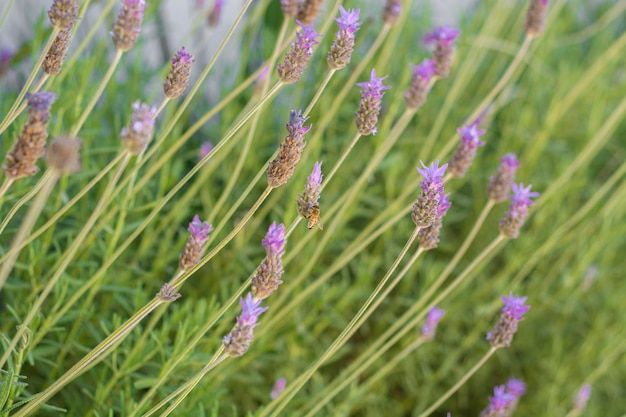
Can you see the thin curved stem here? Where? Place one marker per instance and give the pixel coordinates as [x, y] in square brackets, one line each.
[459, 383]
[6, 122]
[103, 83]
[27, 224]
[20, 203]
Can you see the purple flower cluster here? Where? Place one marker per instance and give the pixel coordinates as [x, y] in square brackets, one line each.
[443, 38]
[237, 342]
[432, 320]
[340, 52]
[308, 202]
[426, 209]
[505, 399]
[512, 312]
[267, 277]
[500, 184]
[194, 247]
[278, 388]
[21, 161]
[518, 210]
[366, 116]
[215, 13]
[415, 96]
[582, 398]
[465, 153]
[296, 60]
[128, 24]
[392, 11]
[178, 79]
[282, 167]
[138, 134]
[63, 14]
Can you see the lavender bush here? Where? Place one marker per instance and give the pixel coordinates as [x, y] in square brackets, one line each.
[159, 245]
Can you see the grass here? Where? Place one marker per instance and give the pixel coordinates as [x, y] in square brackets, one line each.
[561, 112]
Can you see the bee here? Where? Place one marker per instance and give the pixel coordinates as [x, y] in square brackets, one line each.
[314, 217]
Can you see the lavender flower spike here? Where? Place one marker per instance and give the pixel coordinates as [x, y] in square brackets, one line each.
[341, 50]
[465, 153]
[415, 97]
[63, 14]
[128, 24]
[426, 208]
[21, 161]
[443, 37]
[497, 403]
[512, 312]
[500, 184]
[296, 60]
[366, 116]
[432, 320]
[282, 167]
[582, 398]
[393, 8]
[516, 388]
[308, 10]
[215, 13]
[138, 134]
[535, 17]
[278, 388]
[237, 342]
[518, 210]
[308, 202]
[194, 247]
[178, 79]
[289, 7]
[55, 56]
[267, 277]
[429, 236]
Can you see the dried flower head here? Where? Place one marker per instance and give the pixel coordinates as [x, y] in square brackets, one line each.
[289, 7]
[30, 145]
[62, 155]
[536, 17]
[282, 167]
[415, 96]
[178, 79]
[63, 14]
[341, 50]
[443, 38]
[278, 388]
[366, 116]
[465, 153]
[426, 208]
[518, 210]
[308, 10]
[168, 293]
[497, 403]
[512, 312]
[582, 398]
[138, 134]
[393, 8]
[215, 13]
[128, 24]
[308, 201]
[194, 248]
[500, 184]
[429, 236]
[296, 60]
[237, 342]
[267, 277]
[55, 56]
[432, 320]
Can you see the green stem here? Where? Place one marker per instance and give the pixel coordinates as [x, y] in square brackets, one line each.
[29, 220]
[319, 91]
[350, 329]
[66, 260]
[459, 383]
[5, 123]
[103, 83]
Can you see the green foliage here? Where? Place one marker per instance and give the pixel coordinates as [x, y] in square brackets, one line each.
[562, 113]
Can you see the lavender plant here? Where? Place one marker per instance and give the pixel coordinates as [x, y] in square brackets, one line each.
[112, 303]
